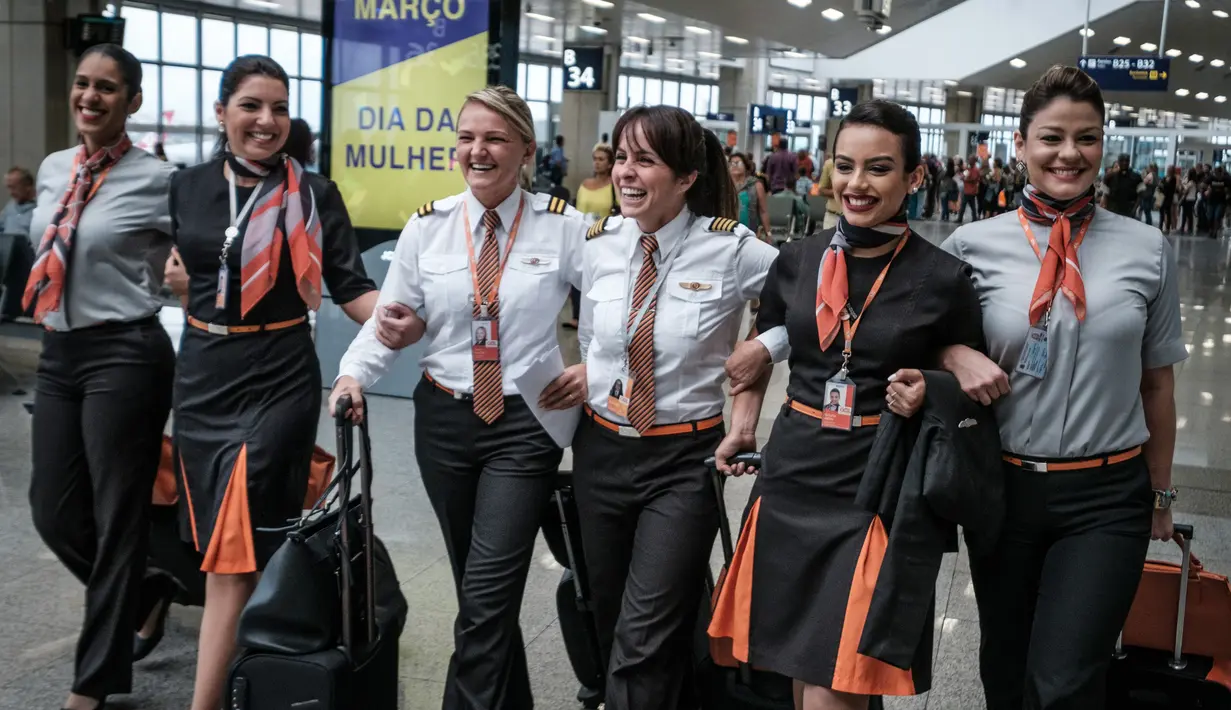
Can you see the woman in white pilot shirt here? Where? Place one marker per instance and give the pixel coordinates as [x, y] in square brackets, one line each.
[666, 286]
[486, 462]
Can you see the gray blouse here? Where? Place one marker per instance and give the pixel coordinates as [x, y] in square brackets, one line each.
[1089, 402]
[115, 270]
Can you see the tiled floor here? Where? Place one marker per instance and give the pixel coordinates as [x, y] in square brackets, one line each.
[41, 603]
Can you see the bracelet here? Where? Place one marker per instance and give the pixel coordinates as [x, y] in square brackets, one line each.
[1164, 498]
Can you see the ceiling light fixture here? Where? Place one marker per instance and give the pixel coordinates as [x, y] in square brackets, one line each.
[267, 4]
[545, 38]
[709, 55]
[831, 14]
[1122, 41]
[810, 80]
[778, 77]
[601, 4]
[792, 54]
[884, 30]
[736, 40]
[711, 75]
[1217, 62]
[1017, 62]
[1084, 32]
[1220, 14]
[800, 3]
[593, 30]
[1149, 46]
[1193, 4]
[553, 52]
[540, 16]
[696, 30]
[1173, 53]
[950, 82]
[1201, 96]
[1196, 58]
[1220, 99]
[1181, 92]
[648, 17]
[638, 40]
[964, 93]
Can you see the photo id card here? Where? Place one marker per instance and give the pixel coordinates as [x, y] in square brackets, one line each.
[485, 339]
[224, 280]
[837, 413]
[620, 393]
[1033, 360]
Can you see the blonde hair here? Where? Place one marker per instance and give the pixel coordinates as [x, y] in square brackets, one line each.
[514, 110]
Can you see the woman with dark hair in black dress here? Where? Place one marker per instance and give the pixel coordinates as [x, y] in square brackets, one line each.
[864, 306]
[258, 236]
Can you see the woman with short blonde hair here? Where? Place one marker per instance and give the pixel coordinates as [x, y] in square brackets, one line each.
[482, 269]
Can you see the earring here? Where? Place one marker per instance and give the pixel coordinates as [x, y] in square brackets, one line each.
[222, 127]
[913, 190]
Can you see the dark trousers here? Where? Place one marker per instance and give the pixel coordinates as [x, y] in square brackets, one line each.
[648, 520]
[1186, 215]
[100, 404]
[1054, 593]
[489, 487]
[973, 202]
[574, 297]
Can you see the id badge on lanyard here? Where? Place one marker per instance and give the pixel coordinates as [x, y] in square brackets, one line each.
[621, 392]
[485, 326]
[838, 411]
[231, 233]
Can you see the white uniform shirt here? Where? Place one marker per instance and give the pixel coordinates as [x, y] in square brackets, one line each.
[431, 274]
[700, 307]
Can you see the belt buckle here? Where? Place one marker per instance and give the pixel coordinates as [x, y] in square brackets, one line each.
[628, 431]
[216, 329]
[1034, 466]
[459, 395]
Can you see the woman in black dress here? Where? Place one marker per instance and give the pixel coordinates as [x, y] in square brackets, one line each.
[248, 384]
[798, 592]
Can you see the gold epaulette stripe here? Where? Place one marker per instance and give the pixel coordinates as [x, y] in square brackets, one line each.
[598, 228]
[426, 209]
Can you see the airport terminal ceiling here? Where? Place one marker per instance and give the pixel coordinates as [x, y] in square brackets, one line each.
[1200, 38]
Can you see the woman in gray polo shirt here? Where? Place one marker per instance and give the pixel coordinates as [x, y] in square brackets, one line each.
[102, 234]
[1081, 351]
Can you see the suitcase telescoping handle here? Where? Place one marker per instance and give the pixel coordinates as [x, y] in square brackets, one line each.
[719, 480]
[346, 465]
[1183, 537]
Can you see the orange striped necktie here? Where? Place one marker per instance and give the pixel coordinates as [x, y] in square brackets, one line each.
[488, 376]
[1061, 269]
[641, 407]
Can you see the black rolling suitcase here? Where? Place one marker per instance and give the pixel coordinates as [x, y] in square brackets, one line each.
[321, 630]
[1153, 679]
[577, 624]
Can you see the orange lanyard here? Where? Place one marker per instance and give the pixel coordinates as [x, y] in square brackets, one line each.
[1034, 244]
[474, 265]
[848, 326]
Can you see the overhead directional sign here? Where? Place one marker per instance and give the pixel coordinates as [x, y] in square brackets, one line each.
[1128, 73]
[841, 101]
[583, 68]
[763, 120]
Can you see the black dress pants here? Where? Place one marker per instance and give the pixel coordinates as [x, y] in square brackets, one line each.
[489, 486]
[1054, 593]
[100, 405]
[648, 520]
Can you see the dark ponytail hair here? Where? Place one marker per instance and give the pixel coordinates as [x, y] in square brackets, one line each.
[299, 141]
[130, 66]
[686, 147]
[234, 75]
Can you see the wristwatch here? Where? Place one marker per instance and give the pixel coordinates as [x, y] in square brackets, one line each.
[1164, 499]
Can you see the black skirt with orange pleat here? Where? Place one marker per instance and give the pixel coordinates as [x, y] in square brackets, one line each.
[246, 410]
[797, 594]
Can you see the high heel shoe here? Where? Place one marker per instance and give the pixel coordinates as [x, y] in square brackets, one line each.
[160, 590]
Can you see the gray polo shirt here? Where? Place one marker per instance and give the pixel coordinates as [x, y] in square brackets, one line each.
[122, 241]
[1089, 403]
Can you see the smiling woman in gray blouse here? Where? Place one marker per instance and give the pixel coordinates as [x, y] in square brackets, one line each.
[1082, 318]
[101, 231]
